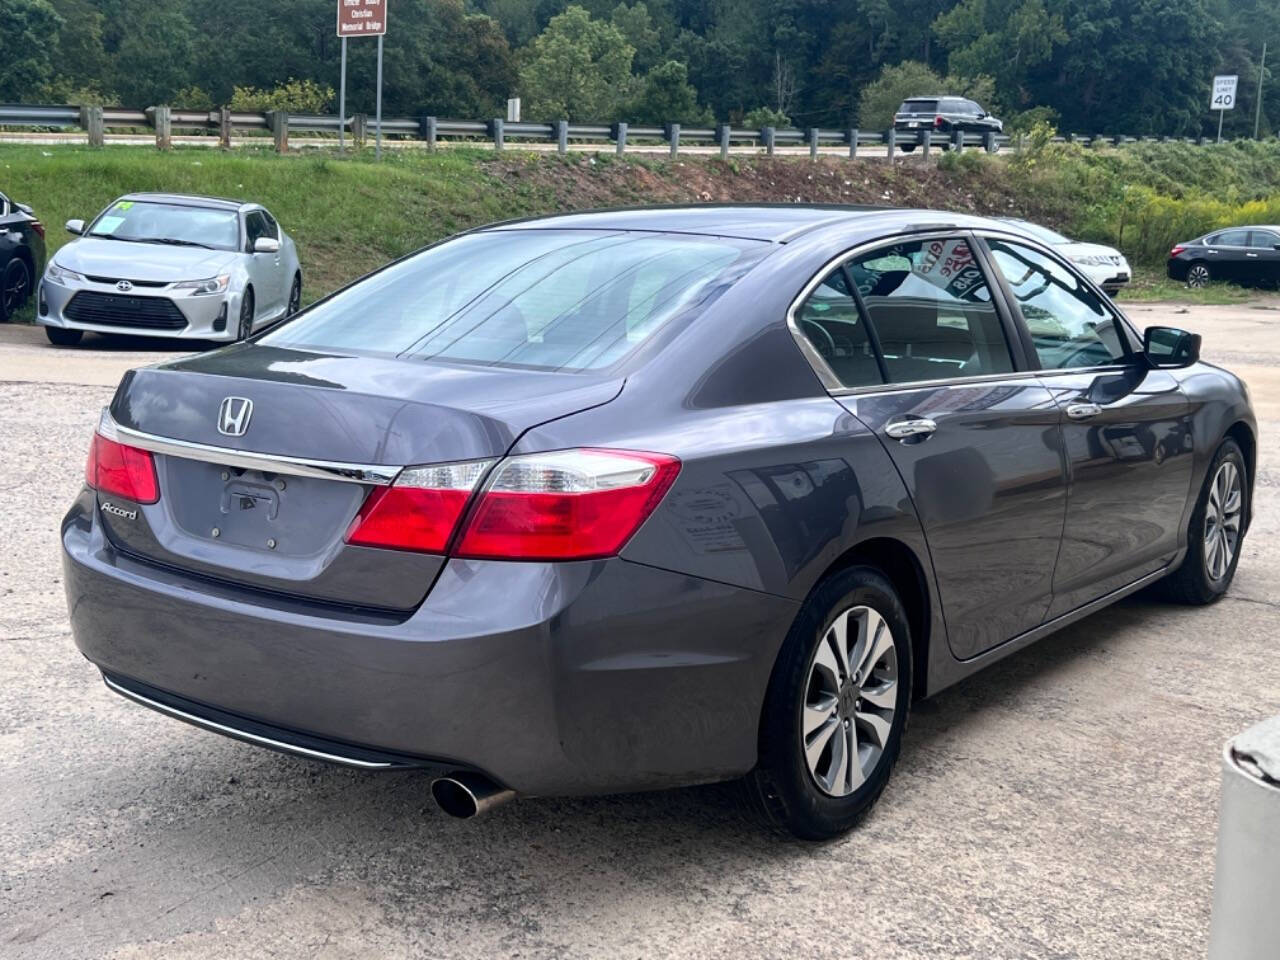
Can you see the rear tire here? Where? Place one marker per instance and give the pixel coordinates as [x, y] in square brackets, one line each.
[295, 296]
[822, 706]
[906, 147]
[61, 337]
[1217, 525]
[1199, 275]
[15, 288]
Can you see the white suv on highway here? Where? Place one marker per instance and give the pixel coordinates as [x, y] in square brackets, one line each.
[169, 265]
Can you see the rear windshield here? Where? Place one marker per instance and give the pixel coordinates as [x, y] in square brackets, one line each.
[919, 106]
[548, 299]
[145, 221]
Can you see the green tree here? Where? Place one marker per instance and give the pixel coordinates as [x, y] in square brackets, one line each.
[666, 96]
[638, 29]
[1004, 39]
[578, 68]
[28, 27]
[153, 59]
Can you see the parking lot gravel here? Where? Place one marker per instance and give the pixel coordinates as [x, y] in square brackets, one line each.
[1062, 804]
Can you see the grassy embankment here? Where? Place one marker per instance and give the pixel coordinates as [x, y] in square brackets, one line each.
[350, 215]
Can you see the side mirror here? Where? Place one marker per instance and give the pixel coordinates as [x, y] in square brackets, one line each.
[266, 245]
[75, 226]
[1170, 347]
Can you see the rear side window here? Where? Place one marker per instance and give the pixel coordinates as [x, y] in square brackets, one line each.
[544, 299]
[931, 308]
[830, 320]
[1069, 325]
[1232, 238]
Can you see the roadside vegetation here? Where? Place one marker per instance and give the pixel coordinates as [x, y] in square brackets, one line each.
[350, 215]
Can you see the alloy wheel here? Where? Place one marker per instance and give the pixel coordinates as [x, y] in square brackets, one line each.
[16, 286]
[1198, 276]
[1222, 520]
[850, 701]
[245, 326]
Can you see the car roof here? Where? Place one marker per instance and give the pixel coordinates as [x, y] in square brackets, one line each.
[776, 223]
[190, 200]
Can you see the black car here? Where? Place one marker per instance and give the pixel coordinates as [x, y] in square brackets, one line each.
[1248, 255]
[942, 115]
[21, 255]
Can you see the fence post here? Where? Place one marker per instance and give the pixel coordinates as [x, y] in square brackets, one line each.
[427, 127]
[562, 137]
[722, 135]
[224, 127]
[620, 134]
[890, 142]
[989, 141]
[359, 127]
[1200, 140]
[852, 136]
[278, 120]
[161, 119]
[767, 136]
[957, 140]
[497, 131]
[926, 140]
[91, 120]
[673, 135]
[812, 136]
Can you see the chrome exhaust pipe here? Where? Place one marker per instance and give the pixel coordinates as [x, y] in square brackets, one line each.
[465, 795]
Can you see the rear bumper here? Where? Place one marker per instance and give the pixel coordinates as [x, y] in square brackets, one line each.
[589, 677]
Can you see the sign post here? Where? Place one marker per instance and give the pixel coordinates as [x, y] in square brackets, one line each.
[1224, 97]
[360, 18]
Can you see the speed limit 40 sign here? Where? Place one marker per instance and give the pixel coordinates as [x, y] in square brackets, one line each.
[1224, 93]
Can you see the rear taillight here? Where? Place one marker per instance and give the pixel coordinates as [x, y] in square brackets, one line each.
[118, 470]
[420, 510]
[1176, 250]
[937, 121]
[566, 505]
[38, 227]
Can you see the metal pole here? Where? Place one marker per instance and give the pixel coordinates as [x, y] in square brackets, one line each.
[1220, 113]
[342, 99]
[1257, 107]
[377, 153]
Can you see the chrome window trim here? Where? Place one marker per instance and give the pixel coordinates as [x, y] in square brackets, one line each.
[366, 473]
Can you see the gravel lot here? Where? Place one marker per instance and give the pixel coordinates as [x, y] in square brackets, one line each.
[1063, 804]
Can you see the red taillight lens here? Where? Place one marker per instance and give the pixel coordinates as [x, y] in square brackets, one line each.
[121, 471]
[566, 505]
[38, 227]
[420, 511]
[937, 121]
[1176, 250]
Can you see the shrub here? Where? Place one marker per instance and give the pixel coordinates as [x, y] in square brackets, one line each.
[295, 96]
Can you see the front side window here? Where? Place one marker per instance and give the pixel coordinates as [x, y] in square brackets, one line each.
[255, 226]
[1263, 240]
[539, 298]
[145, 221]
[1070, 326]
[931, 308]
[829, 319]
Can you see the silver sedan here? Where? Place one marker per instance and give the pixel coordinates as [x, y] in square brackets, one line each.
[169, 265]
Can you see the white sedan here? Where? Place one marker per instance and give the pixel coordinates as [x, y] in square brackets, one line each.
[168, 265]
[1105, 266]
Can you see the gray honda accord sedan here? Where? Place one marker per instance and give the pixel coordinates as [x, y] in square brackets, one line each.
[625, 500]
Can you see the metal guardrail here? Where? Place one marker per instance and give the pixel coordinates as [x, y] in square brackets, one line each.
[96, 121]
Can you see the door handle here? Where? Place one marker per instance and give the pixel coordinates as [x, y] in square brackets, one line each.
[1250, 254]
[1083, 410]
[913, 427]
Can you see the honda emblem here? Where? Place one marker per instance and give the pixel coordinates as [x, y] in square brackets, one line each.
[233, 416]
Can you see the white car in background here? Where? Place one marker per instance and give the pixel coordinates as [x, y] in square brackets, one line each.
[168, 265]
[1105, 266]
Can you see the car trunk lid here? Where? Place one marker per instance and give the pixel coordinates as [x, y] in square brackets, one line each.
[270, 507]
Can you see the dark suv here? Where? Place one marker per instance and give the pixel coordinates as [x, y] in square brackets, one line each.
[942, 115]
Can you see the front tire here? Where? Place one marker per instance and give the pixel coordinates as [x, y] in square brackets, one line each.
[1216, 532]
[1199, 276]
[15, 287]
[244, 325]
[906, 147]
[295, 296]
[835, 710]
[62, 337]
